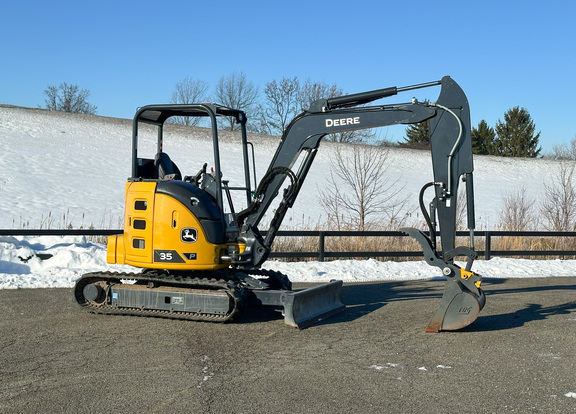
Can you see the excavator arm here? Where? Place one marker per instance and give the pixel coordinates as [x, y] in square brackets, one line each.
[450, 146]
[451, 149]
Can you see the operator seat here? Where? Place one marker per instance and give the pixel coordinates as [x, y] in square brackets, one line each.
[165, 168]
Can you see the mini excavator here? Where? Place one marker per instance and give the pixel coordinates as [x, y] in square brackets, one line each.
[201, 259]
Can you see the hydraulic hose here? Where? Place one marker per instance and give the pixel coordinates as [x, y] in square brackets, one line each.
[266, 180]
[468, 185]
[454, 148]
[425, 212]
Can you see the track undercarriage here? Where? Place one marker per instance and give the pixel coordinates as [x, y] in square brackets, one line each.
[214, 296]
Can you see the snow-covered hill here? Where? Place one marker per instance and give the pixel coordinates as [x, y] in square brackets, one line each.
[61, 170]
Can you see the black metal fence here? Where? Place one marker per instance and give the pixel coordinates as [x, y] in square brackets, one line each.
[483, 238]
[486, 237]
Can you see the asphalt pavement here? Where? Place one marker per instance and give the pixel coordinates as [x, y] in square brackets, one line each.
[518, 356]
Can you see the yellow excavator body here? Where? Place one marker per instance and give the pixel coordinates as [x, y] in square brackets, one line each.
[162, 233]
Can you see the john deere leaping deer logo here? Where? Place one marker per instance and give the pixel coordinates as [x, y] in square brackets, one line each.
[189, 235]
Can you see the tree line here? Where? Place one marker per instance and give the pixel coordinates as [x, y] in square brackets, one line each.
[515, 136]
[271, 111]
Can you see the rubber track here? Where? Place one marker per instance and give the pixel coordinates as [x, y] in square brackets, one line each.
[232, 288]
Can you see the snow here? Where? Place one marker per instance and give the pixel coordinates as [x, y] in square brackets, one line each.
[64, 170]
[21, 265]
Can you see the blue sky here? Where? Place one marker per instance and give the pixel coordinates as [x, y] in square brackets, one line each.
[131, 53]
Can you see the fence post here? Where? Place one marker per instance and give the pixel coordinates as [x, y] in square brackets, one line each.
[321, 236]
[488, 243]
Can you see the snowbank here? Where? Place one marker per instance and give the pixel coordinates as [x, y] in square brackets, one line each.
[49, 261]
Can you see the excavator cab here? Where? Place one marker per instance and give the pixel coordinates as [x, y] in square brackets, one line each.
[178, 222]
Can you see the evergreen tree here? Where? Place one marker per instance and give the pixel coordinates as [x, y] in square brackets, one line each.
[417, 136]
[515, 136]
[483, 138]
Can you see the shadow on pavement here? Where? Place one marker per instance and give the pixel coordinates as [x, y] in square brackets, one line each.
[360, 299]
[531, 312]
[364, 298]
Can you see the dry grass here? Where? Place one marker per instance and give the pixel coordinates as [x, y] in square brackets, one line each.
[66, 221]
[345, 244]
[351, 244]
[533, 243]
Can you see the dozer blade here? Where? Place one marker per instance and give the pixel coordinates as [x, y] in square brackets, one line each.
[459, 308]
[306, 307]
[303, 308]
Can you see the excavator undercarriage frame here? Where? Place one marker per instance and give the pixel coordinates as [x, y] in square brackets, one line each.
[203, 263]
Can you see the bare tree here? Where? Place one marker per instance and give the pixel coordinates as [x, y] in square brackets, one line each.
[235, 91]
[285, 99]
[68, 98]
[565, 151]
[312, 91]
[358, 192]
[518, 212]
[559, 204]
[282, 105]
[189, 91]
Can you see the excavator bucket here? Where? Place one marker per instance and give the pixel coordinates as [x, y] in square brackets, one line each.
[303, 308]
[459, 308]
[463, 299]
